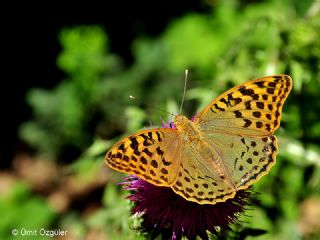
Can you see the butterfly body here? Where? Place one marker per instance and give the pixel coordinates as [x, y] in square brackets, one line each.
[228, 146]
[198, 142]
[188, 130]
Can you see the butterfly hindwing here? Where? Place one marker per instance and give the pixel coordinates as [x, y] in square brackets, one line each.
[197, 182]
[246, 159]
[152, 155]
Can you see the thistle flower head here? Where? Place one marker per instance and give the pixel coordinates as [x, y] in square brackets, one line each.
[167, 213]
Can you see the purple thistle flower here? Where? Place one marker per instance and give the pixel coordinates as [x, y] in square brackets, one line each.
[170, 124]
[167, 213]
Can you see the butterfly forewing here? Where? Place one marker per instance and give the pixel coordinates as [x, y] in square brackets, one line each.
[153, 155]
[250, 109]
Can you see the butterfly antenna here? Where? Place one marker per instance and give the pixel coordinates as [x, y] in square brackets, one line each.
[184, 89]
[150, 105]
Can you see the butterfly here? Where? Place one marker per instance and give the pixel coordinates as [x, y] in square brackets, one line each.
[225, 148]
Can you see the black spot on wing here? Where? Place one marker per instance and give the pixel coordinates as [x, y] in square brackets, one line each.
[159, 137]
[134, 143]
[227, 103]
[247, 123]
[166, 163]
[147, 152]
[245, 91]
[219, 108]
[121, 147]
[238, 114]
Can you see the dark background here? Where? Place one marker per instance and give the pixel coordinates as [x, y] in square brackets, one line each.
[31, 42]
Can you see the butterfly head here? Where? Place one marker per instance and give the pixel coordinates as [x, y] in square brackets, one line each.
[180, 121]
[185, 126]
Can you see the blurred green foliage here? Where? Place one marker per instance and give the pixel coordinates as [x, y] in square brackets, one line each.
[24, 212]
[63, 116]
[112, 219]
[237, 42]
